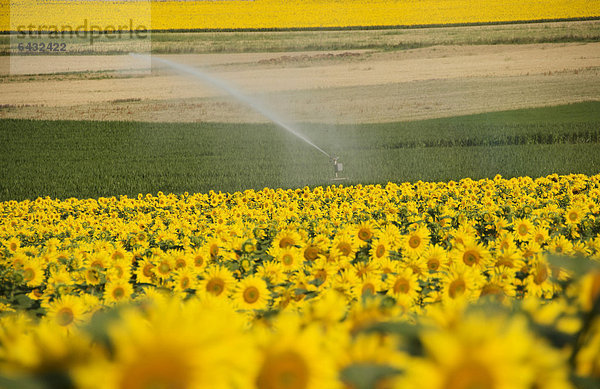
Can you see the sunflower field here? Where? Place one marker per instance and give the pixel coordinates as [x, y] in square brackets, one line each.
[268, 14]
[490, 284]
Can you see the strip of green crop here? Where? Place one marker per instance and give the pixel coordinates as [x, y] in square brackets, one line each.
[91, 159]
[347, 39]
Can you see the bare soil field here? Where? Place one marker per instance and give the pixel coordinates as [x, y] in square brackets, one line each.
[332, 86]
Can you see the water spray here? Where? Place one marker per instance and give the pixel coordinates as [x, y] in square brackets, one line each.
[255, 105]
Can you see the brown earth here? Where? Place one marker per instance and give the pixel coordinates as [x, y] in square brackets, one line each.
[336, 87]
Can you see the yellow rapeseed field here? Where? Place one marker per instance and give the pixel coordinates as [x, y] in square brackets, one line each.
[236, 14]
[490, 284]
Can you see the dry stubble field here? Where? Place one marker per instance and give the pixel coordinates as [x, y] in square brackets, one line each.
[332, 86]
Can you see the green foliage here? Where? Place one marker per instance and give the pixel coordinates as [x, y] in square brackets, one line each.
[92, 159]
[365, 376]
[343, 38]
[13, 289]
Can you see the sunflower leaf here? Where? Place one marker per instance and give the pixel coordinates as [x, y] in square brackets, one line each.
[578, 265]
[21, 383]
[22, 301]
[557, 338]
[51, 380]
[409, 332]
[366, 376]
[585, 382]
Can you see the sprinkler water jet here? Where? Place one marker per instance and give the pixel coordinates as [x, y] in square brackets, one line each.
[247, 100]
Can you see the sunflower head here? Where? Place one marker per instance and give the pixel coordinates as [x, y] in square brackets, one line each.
[365, 231]
[296, 358]
[416, 241]
[252, 293]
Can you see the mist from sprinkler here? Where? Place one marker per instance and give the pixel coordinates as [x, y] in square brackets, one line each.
[226, 87]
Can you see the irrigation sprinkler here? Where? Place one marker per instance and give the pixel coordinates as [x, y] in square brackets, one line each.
[338, 168]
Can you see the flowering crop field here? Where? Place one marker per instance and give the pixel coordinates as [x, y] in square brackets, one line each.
[266, 14]
[492, 283]
[406, 276]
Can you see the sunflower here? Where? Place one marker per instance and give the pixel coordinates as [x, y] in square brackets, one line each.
[346, 282]
[290, 257]
[165, 349]
[329, 308]
[12, 244]
[119, 269]
[404, 282]
[540, 235]
[380, 249]
[472, 254]
[252, 293]
[286, 300]
[416, 242]
[500, 284]
[386, 265]
[312, 250]
[287, 238]
[581, 249]
[574, 215]
[199, 259]
[184, 279]
[369, 285]
[344, 245]
[93, 276]
[523, 229]
[18, 260]
[98, 260]
[145, 272]
[66, 311]
[214, 248]
[465, 233]
[500, 225]
[296, 358]
[538, 283]
[164, 267]
[461, 282]
[417, 266]
[60, 276]
[588, 290]
[511, 258]
[248, 246]
[180, 259]
[434, 257]
[272, 271]
[322, 272]
[42, 350]
[365, 231]
[365, 269]
[392, 235]
[560, 245]
[33, 273]
[117, 291]
[477, 352]
[120, 253]
[369, 310]
[550, 367]
[529, 250]
[217, 280]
